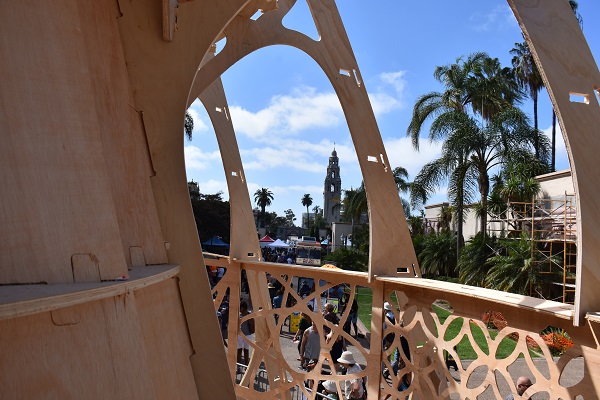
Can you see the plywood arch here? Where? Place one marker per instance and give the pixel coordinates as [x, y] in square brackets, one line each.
[567, 66]
[391, 250]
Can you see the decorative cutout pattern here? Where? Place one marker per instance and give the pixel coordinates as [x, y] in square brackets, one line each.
[431, 351]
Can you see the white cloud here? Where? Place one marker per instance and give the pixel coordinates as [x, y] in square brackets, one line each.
[402, 154]
[199, 124]
[395, 79]
[196, 159]
[213, 186]
[381, 99]
[304, 108]
[287, 115]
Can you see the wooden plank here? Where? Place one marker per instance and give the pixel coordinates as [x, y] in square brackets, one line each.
[85, 268]
[243, 238]
[21, 300]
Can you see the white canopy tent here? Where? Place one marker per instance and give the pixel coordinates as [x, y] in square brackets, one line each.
[279, 244]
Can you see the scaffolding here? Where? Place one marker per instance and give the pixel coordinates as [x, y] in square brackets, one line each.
[551, 224]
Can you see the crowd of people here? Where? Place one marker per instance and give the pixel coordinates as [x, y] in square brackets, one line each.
[281, 255]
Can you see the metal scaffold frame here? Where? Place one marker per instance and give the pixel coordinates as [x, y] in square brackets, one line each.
[551, 224]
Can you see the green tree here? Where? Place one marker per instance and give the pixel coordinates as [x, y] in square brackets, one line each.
[472, 267]
[507, 137]
[290, 217]
[349, 259]
[263, 198]
[307, 202]
[437, 256]
[477, 84]
[513, 268]
[355, 203]
[188, 125]
[211, 213]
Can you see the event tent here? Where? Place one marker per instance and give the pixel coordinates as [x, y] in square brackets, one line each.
[215, 241]
[279, 244]
[265, 241]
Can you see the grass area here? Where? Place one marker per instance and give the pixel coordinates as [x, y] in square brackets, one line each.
[364, 297]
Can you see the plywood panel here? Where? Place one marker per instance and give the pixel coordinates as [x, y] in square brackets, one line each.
[90, 351]
[56, 199]
[167, 342]
[161, 74]
[121, 132]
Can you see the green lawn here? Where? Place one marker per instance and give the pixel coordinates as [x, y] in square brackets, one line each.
[364, 297]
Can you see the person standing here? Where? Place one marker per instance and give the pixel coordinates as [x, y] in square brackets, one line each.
[310, 347]
[304, 323]
[247, 328]
[353, 388]
[352, 319]
[339, 344]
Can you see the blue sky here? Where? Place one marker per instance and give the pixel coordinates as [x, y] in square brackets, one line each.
[287, 117]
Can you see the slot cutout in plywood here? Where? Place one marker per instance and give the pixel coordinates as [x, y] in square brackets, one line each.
[385, 167]
[597, 93]
[351, 74]
[219, 45]
[357, 77]
[256, 15]
[372, 159]
[579, 98]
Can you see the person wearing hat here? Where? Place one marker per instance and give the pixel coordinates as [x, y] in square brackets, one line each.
[330, 390]
[353, 389]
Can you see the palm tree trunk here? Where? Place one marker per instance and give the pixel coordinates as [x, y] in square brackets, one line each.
[535, 125]
[553, 162]
[484, 189]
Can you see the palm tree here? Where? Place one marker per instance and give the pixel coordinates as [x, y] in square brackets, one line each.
[513, 269]
[307, 202]
[471, 150]
[263, 198]
[188, 125]
[528, 76]
[456, 96]
[479, 82]
[355, 203]
[400, 175]
[437, 255]
[472, 262]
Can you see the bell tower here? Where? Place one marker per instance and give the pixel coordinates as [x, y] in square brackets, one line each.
[332, 193]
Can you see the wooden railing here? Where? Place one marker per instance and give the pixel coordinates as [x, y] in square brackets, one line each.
[492, 337]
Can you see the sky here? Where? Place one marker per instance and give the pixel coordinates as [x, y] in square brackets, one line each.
[288, 119]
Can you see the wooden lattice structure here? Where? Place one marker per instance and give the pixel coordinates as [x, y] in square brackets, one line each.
[103, 286]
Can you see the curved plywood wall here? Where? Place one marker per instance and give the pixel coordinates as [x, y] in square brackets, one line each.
[103, 286]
